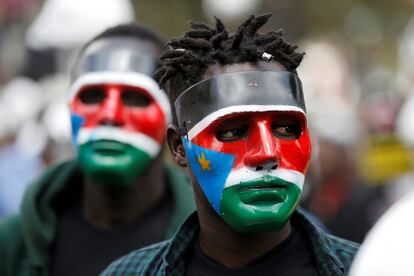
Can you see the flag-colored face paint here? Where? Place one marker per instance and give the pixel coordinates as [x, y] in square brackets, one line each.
[251, 165]
[118, 124]
[247, 144]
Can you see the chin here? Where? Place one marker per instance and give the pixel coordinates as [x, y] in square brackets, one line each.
[259, 219]
[110, 174]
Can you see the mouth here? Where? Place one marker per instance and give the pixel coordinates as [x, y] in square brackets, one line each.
[260, 187]
[108, 147]
[263, 191]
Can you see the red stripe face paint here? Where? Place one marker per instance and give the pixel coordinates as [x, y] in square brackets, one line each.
[248, 145]
[257, 138]
[119, 113]
[129, 108]
[271, 152]
[122, 127]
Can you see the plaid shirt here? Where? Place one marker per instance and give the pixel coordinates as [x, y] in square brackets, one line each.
[332, 255]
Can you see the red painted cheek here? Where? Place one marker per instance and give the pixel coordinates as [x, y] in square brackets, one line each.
[88, 112]
[295, 154]
[149, 120]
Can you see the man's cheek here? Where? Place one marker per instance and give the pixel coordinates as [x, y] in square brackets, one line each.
[88, 112]
[153, 125]
[295, 155]
[91, 119]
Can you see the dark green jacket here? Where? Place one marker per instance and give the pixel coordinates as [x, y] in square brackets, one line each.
[332, 255]
[26, 239]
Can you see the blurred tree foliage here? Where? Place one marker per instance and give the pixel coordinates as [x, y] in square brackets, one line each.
[302, 19]
[169, 17]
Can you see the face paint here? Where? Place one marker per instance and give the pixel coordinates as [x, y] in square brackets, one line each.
[250, 159]
[118, 124]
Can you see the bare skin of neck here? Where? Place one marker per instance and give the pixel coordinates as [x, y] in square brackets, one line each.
[114, 207]
[228, 247]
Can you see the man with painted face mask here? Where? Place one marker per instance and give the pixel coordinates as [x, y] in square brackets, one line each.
[240, 129]
[118, 194]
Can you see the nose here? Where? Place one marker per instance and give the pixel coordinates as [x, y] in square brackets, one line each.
[261, 149]
[111, 112]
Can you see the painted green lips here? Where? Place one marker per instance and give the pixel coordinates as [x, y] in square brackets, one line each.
[264, 190]
[108, 162]
[108, 147]
[262, 204]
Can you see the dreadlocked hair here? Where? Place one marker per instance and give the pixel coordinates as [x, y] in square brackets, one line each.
[187, 58]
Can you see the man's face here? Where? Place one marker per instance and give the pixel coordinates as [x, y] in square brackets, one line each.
[271, 152]
[119, 113]
[119, 129]
[248, 157]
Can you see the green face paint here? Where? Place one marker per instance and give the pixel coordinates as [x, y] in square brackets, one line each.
[112, 163]
[264, 204]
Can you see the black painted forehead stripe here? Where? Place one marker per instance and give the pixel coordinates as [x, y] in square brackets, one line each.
[238, 92]
[117, 54]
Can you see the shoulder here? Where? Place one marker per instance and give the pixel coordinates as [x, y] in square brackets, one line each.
[145, 261]
[330, 251]
[12, 245]
[344, 250]
[10, 232]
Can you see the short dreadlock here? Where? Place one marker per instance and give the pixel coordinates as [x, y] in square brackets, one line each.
[188, 56]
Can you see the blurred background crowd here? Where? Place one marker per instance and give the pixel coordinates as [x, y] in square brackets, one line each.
[358, 78]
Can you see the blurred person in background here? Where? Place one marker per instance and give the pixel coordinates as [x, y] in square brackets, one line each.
[36, 40]
[61, 27]
[331, 97]
[388, 247]
[385, 162]
[20, 160]
[405, 117]
[240, 129]
[118, 194]
[20, 102]
[356, 153]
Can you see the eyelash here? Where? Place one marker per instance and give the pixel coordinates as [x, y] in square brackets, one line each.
[128, 97]
[293, 132]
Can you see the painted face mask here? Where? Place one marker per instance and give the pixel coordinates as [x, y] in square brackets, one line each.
[119, 114]
[247, 143]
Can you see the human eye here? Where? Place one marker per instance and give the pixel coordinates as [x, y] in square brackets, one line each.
[286, 130]
[232, 130]
[135, 98]
[92, 95]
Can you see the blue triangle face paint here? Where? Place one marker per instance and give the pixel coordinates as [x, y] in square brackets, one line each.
[77, 122]
[211, 169]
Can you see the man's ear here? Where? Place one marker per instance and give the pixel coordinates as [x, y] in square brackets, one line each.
[176, 146]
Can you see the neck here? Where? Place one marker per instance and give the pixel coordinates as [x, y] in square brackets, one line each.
[223, 244]
[112, 207]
